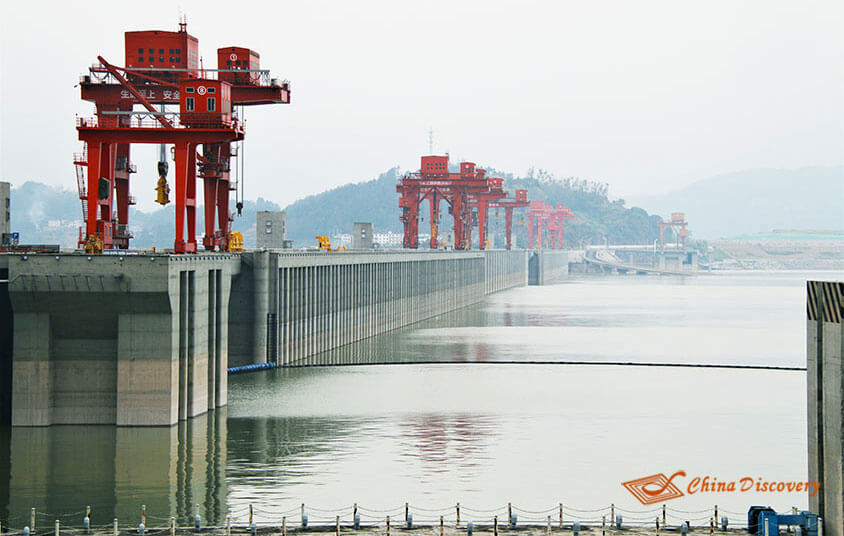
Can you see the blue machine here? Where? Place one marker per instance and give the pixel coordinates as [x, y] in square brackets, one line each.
[761, 517]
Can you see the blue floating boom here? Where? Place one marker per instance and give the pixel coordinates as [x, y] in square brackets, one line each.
[250, 368]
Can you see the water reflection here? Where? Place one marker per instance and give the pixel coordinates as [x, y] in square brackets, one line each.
[60, 470]
[393, 347]
[484, 435]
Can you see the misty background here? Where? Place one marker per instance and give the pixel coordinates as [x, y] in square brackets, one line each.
[730, 111]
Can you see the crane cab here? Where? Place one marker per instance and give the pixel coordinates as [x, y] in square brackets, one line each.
[238, 66]
[205, 103]
[467, 170]
[434, 165]
[168, 56]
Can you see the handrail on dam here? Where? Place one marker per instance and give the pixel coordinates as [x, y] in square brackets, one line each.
[455, 519]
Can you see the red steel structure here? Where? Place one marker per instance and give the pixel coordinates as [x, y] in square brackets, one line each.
[163, 69]
[435, 183]
[482, 201]
[557, 225]
[544, 216]
[538, 215]
[680, 226]
[509, 204]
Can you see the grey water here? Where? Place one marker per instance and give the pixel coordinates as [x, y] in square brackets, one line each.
[456, 418]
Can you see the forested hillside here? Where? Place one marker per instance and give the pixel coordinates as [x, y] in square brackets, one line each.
[44, 214]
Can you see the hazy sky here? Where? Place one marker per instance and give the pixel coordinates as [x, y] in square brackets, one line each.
[644, 95]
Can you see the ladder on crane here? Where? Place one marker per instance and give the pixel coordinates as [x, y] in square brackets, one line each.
[80, 162]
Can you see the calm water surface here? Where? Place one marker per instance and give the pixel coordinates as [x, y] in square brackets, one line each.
[470, 429]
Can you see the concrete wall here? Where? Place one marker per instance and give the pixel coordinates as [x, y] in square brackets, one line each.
[362, 237]
[548, 266]
[271, 229]
[147, 339]
[312, 302]
[6, 338]
[825, 392]
[126, 340]
[505, 269]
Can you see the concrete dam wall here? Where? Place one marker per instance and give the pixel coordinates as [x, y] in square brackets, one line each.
[138, 340]
[288, 307]
[127, 340]
[548, 266]
[825, 400]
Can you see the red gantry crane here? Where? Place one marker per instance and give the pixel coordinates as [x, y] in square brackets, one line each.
[680, 226]
[163, 69]
[508, 204]
[435, 183]
[482, 201]
[544, 216]
[538, 214]
[557, 225]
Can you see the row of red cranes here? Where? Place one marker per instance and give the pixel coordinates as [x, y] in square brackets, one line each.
[163, 69]
[543, 216]
[469, 194]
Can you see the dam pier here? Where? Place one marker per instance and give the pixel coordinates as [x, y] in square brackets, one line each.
[146, 339]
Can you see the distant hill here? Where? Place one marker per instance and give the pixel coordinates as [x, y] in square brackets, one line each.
[335, 211]
[45, 214]
[596, 217]
[757, 200]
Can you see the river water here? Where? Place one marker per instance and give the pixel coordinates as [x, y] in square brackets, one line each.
[465, 414]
